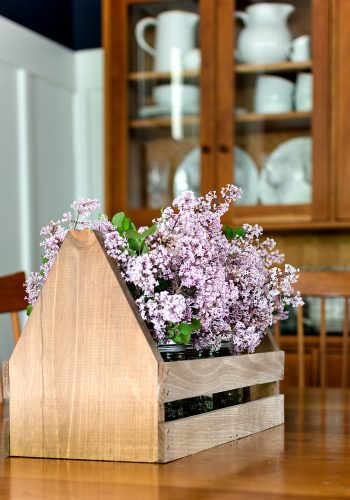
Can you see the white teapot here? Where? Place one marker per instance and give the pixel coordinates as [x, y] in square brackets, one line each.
[265, 38]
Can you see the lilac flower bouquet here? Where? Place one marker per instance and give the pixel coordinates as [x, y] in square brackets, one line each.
[192, 278]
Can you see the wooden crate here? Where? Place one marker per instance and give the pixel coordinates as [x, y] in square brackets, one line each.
[87, 380]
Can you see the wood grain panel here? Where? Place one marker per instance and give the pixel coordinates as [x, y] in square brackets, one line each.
[115, 31]
[207, 103]
[321, 116]
[84, 374]
[186, 379]
[193, 434]
[224, 92]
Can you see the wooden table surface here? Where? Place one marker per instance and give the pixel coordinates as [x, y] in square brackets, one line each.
[308, 457]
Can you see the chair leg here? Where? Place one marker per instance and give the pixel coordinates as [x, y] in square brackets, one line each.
[300, 338]
[344, 381]
[323, 332]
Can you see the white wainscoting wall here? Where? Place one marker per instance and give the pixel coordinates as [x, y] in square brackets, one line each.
[51, 142]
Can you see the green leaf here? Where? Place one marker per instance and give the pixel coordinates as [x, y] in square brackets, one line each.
[131, 233]
[117, 220]
[177, 338]
[238, 232]
[184, 328]
[149, 231]
[133, 227]
[231, 233]
[132, 252]
[145, 249]
[185, 332]
[133, 244]
[44, 260]
[29, 309]
[186, 337]
[196, 324]
[126, 224]
[228, 231]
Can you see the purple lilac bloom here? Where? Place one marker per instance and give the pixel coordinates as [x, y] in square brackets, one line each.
[236, 288]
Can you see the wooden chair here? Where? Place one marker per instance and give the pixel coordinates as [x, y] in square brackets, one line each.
[322, 284]
[11, 301]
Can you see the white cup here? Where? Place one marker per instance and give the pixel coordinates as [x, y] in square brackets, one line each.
[273, 94]
[167, 95]
[303, 92]
[300, 48]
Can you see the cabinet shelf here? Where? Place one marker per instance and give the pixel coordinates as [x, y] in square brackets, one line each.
[285, 66]
[161, 122]
[194, 120]
[139, 76]
[257, 117]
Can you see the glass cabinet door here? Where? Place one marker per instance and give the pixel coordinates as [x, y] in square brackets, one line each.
[164, 101]
[279, 110]
[274, 88]
[200, 93]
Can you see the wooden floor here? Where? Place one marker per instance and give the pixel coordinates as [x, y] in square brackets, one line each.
[308, 457]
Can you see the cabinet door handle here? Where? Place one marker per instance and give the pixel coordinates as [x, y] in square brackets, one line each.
[223, 148]
[206, 149]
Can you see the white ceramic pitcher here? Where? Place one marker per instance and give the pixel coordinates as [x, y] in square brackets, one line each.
[265, 38]
[175, 29]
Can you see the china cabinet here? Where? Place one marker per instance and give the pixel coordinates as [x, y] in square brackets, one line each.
[198, 95]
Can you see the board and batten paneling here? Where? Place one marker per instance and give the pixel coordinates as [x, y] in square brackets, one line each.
[50, 152]
[10, 251]
[88, 116]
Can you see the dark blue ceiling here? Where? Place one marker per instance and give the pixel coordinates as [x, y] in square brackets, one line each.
[73, 23]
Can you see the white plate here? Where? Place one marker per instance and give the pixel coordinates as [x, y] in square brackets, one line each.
[246, 176]
[286, 176]
[157, 110]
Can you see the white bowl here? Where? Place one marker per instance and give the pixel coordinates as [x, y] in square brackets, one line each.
[169, 95]
[273, 94]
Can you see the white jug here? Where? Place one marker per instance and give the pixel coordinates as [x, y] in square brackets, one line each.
[265, 38]
[175, 29]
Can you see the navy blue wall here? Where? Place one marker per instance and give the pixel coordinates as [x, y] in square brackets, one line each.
[73, 23]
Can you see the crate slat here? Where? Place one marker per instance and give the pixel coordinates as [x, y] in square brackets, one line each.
[200, 432]
[185, 379]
